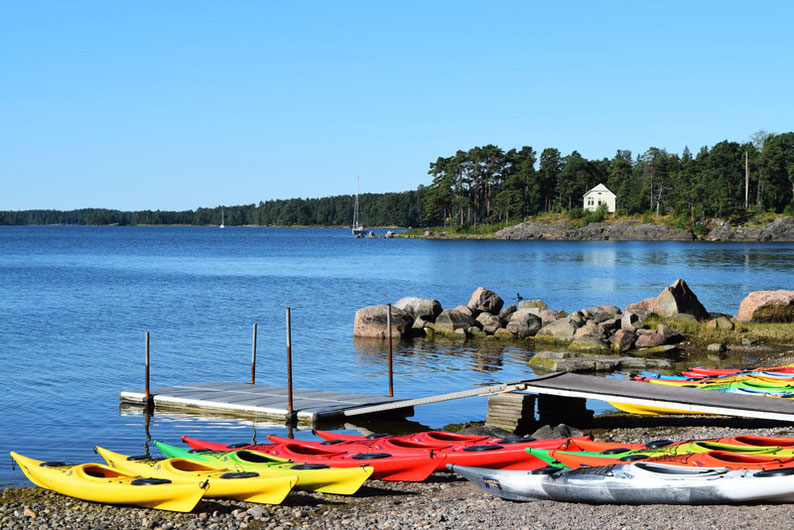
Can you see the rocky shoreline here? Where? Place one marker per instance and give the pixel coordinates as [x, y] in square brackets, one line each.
[442, 502]
[647, 334]
[779, 229]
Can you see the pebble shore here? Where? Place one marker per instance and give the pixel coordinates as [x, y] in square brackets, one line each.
[443, 502]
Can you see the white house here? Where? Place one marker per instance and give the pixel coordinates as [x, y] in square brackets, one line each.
[598, 195]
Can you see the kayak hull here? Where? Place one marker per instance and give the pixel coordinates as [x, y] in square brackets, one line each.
[640, 483]
[221, 482]
[323, 479]
[104, 484]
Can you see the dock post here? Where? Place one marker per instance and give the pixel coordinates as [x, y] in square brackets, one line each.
[253, 357]
[391, 375]
[291, 414]
[147, 396]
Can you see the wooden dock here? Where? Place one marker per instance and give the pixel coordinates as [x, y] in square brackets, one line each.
[311, 406]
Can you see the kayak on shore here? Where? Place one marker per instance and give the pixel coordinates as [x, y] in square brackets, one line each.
[249, 486]
[635, 483]
[311, 477]
[105, 484]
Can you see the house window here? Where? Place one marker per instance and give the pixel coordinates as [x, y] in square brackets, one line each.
[589, 201]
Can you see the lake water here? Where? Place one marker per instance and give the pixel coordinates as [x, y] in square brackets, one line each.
[75, 303]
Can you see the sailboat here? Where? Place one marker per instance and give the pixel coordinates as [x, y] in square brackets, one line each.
[358, 229]
[222, 225]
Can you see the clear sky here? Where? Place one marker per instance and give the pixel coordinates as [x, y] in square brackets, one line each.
[182, 104]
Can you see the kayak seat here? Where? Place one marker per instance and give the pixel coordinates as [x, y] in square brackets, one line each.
[481, 448]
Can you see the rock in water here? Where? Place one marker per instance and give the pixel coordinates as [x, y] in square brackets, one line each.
[370, 322]
[450, 320]
[484, 301]
[767, 306]
[424, 308]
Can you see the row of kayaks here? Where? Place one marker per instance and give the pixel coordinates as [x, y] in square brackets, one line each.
[771, 381]
[735, 469]
[699, 472]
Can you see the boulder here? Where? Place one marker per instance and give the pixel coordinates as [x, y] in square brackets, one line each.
[503, 333]
[630, 321]
[561, 330]
[465, 310]
[608, 326]
[648, 339]
[645, 305]
[424, 308]
[490, 323]
[371, 322]
[506, 312]
[679, 298]
[624, 340]
[548, 316]
[524, 324]
[600, 313]
[527, 304]
[767, 306]
[484, 301]
[589, 328]
[589, 343]
[670, 335]
[720, 323]
[451, 320]
[716, 347]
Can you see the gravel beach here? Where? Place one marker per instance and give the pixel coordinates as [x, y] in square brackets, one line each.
[443, 502]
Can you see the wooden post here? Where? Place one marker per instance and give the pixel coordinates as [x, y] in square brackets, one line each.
[391, 374]
[289, 366]
[147, 396]
[253, 357]
[746, 180]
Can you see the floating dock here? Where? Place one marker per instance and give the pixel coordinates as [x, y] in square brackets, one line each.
[311, 406]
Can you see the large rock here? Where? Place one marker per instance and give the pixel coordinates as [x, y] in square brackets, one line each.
[490, 323]
[624, 340]
[524, 324]
[424, 308]
[484, 301]
[451, 320]
[630, 321]
[767, 306]
[507, 312]
[649, 339]
[371, 322]
[643, 305]
[562, 330]
[679, 298]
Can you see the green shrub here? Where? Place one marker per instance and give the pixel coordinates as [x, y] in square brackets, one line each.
[575, 213]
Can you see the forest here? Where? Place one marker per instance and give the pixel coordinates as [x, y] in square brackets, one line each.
[488, 185]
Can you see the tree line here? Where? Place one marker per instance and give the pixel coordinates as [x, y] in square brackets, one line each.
[377, 209]
[487, 185]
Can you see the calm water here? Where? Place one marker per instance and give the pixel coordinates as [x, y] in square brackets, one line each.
[75, 303]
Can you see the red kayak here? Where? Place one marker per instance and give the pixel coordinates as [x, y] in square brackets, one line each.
[386, 466]
[727, 459]
[705, 372]
[440, 438]
[505, 455]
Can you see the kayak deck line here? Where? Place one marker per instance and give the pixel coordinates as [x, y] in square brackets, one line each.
[311, 406]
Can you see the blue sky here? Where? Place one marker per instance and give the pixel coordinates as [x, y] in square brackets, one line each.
[184, 104]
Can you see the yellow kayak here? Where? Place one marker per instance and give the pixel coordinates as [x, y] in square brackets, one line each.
[311, 477]
[651, 410]
[101, 483]
[243, 486]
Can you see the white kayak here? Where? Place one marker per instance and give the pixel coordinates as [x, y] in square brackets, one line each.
[636, 483]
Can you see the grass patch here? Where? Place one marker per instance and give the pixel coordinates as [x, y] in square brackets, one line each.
[699, 334]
